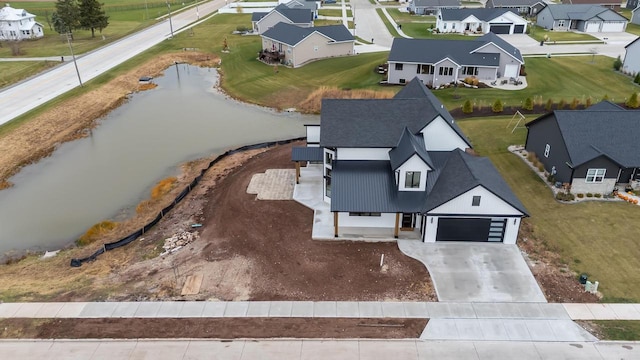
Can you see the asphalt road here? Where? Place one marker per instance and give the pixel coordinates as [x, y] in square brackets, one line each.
[19, 99]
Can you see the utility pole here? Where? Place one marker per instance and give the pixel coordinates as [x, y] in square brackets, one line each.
[75, 63]
[170, 23]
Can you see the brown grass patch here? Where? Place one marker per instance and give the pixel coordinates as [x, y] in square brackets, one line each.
[96, 231]
[147, 86]
[312, 104]
[163, 187]
[38, 137]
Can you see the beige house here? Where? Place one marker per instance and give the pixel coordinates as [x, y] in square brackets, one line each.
[295, 46]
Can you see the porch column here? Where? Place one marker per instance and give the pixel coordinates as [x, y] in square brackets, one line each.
[335, 224]
[297, 172]
[395, 229]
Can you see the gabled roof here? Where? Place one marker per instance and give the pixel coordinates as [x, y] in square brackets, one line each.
[502, 44]
[605, 105]
[301, 4]
[480, 13]
[431, 51]
[414, 107]
[7, 13]
[291, 34]
[514, 3]
[582, 12]
[256, 16]
[463, 172]
[601, 130]
[436, 3]
[408, 146]
[296, 15]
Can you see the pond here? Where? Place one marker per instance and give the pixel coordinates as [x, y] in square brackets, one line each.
[104, 175]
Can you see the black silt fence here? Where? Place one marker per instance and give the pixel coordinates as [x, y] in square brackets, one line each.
[131, 237]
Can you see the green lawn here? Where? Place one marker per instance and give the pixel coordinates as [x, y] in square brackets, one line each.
[418, 26]
[556, 78]
[14, 71]
[596, 238]
[333, 12]
[538, 33]
[633, 29]
[386, 22]
[620, 330]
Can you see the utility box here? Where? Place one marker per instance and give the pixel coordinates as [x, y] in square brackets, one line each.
[583, 279]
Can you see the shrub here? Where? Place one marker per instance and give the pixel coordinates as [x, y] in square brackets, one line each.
[497, 106]
[531, 156]
[574, 104]
[589, 195]
[588, 102]
[528, 104]
[598, 195]
[540, 167]
[467, 108]
[551, 179]
[242, 28]
[617, 63]
[605, 97]
[562, 104]
[523, 72]
[637, 78]
[95, 232]
[565, 196]
[633, 101]
[580, 196]
[549, 105]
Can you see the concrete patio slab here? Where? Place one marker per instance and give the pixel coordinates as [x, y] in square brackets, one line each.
[540, 330]
[347, 309]
[469, 329]
[192, 309]
[7, 310]
[125, 309]
[28, 310]
[476, 272]
[567, 330]
[534, 310]
[602, 312]
[236, 309]
[49, 310]
[111, 351]
[330, 349]
[493, 329]
[272, 351]
[370, 309]
[440, 329]
[99, 309]
[416, 310]
[258, 309]
[446, 350]
[554, 311]
[169, 350]
[489, 350]
[170, 309]
[302, 309]
[147, 309]
[388, 350]
[392, 309]
[207, 350]
[324, 309]
[517, 330]
[579, 311]
[625, 311]
[71, 351]
[71, 310]
[280, 308]
[214, 309]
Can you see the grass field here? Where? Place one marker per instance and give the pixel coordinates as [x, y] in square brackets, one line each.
[620, 330]
[14, 71]
[596, 238]
[418, 26]
[538, 33]
[333, 12]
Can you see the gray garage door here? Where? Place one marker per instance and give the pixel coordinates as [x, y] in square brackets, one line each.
[469, 229]
[500, 29]
[518, 29]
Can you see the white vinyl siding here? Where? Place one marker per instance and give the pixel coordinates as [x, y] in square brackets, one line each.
[410, 167]
[363, 154]
[439, 136]
[385, 220]
[490, 204]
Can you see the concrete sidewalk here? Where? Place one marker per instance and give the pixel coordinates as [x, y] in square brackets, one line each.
[313, 349]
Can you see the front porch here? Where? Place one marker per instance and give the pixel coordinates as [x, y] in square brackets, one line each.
[308, 192]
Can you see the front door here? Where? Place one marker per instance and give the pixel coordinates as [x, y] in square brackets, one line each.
[408, 221]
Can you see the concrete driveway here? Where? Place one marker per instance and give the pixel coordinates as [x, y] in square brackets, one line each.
[613, 46]
[476, 272]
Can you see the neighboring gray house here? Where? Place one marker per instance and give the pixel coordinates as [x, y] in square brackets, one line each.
[610, 4]
[587, 148]
[436, 62]
[635, 15]
[523, 7]
[631, 62]
[585, 18]
[498, 21]
[632, 4]
[295, 46]
[402, 164]
[281, 13]
[303, 4]
[430, 7]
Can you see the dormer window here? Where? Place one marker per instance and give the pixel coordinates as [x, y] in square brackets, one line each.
[412, 180]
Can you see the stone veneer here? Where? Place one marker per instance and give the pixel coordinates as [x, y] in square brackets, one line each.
[579, 186]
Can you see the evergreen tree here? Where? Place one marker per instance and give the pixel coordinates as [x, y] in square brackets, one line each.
[588, 102]
[637, 79]
[617, 63]
[497, 106]
[467, 108]
[92, 16]
[562, 104]
[633, 101]
[549, 105]
[528, 104]
[574, 104]
[67, 16]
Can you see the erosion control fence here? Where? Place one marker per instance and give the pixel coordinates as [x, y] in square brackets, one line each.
[131, 237]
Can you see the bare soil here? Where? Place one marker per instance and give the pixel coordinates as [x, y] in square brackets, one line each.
[212, 328]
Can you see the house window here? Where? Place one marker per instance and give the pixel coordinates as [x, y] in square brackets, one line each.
[453, 26]
[469, 70]
[425, 69]
[364, 214]
[327, 186]
[475, 201]
[328, 157]
[445, 26]
[412, 179]
[446, 71]
[595, 175]
[560, 23]
[398, 66]
[547, 148]
[402, 81]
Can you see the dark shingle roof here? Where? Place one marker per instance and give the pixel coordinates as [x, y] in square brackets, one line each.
[369, 186]
[582, 12]
[437, 3]
[257, 16]
[431, 51]
[408, 146]
[291, 34]
[296, 15]
[307, 153]
[605, 105]
[343, 121]
[301, 4]
[498, 3]
[463, 172]
[592, 133]
[501, 43]
[481, 14]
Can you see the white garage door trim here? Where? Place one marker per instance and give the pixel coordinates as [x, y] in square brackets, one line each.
[592, 26]
[612, 26]
[511, 71]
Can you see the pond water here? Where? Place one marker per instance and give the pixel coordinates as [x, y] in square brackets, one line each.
[106, 174]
